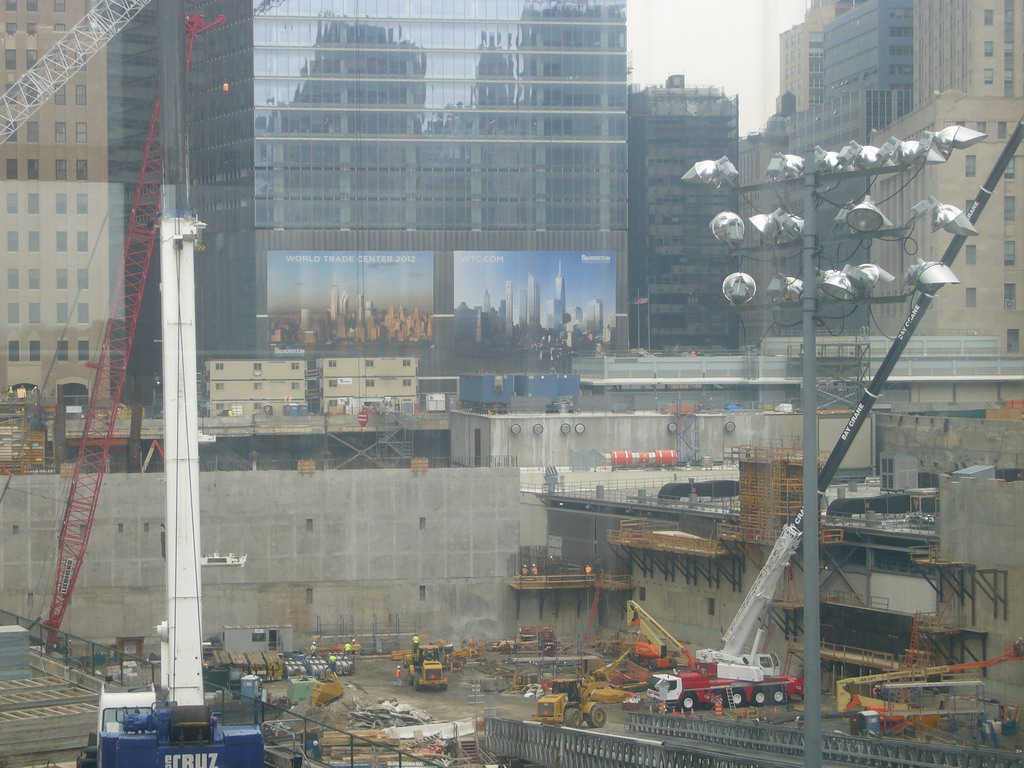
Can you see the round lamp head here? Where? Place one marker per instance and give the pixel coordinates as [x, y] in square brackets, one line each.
[738, 288]
[837, 285]
[784, 289]
[865, 217]
[728, 227]
[929, 276]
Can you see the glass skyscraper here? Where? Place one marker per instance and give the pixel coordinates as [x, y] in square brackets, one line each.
[414, 156]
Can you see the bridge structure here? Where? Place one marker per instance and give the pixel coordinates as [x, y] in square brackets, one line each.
[668, 741]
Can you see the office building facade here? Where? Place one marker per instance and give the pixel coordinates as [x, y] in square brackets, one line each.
[59, 236]
[676, 267]
[416, 157]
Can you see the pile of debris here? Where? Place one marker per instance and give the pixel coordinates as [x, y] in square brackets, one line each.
[387, 714]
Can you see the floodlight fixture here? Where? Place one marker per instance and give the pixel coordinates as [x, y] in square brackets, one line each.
[889, 151]
[928, 276]
[714, 172]
[738, 288]
[848, 154]
[778, 226]
[783, 289]
[919, 151]
[827, 160]
[956, 137]
[868, 157]
[729, 228]
[837, 285]
[863, 217]
[944, 216]
[782, 167]
[866, 277]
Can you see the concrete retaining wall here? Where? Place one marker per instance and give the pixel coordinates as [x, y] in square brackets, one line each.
[430, 551]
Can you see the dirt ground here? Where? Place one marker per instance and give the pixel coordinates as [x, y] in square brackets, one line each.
[373, 682]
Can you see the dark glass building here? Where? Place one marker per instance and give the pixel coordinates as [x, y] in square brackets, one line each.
[369, 170]
[676, 267]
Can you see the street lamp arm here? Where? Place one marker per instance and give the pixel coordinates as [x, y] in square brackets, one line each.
[924, 300]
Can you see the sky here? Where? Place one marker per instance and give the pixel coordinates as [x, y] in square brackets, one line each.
[733, 44]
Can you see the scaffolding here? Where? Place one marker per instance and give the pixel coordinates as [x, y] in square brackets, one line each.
[771, 491]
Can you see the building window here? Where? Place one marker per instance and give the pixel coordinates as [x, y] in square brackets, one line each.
[81, 203]
[970, 166]
[62, 279]
[59, 6]
[11, 58]
[295, 366]
[62, 349]
[257, 385]
[60, 132]
[33, 279]
[62, 312]
[12, 168]
[370, 383]
[13, 313]
[61, 241]
[972, 298]
[13, 279]
[1000, 130]
[423, 593]
[32, 169]
[32, 131]
[82, 170]
[60, 96]
[33, 242]
[81, 241]
[989, 14]
[218, 366]
[1011, 169]
[31, 57]
[83, 312]
[60, 203]
[12, 202]
[990, 48]
[219, 386]
[423, 523]
[1010, 295]
[1009, 253]
[295, 385]
[309, 596]
[332, 363]
[989, 76]
[309, 524]
[81, 96]
[369, 363]
[1013, 340]
[81, 133]
[83, 279]
[34, 353]
[60, 169]
[34, 314]
[982, 126]
[31, 28]
[407, 363]
[13, 351]
[83, 350]
[711, 606]
[1009, 208]
[406, 382]
[12, 242]
[11, 28]
[33, 202]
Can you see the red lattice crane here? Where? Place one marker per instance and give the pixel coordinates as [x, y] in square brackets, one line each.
[112, 365]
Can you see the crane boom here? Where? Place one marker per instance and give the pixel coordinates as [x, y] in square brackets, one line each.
[88, 37]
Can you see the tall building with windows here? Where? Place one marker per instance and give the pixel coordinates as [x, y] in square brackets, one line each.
[800, 53]
[55, 273]
[967, 72]
[676, 267]
[418, 154]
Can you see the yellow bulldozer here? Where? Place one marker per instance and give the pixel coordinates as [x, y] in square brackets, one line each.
[572, 701]
[425, 667]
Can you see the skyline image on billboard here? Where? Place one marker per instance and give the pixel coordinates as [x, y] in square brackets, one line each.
[550, 303]
[330, 300]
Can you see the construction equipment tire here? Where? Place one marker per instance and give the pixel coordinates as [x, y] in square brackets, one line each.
[597, 717]
[572, 717]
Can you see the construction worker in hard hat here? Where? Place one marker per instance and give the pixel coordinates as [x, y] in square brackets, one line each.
[398, 676]
[348, 647]
[415, 642]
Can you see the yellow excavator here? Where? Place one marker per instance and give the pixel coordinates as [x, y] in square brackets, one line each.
[571, 700]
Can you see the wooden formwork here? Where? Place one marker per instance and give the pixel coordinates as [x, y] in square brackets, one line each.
[771, 490]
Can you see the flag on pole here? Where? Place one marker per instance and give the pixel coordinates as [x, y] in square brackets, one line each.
[644, 300]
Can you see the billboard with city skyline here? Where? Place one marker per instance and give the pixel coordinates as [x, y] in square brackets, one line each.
[546, 303]
[333, 300]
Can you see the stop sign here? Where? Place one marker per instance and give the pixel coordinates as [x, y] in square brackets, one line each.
[363, 418]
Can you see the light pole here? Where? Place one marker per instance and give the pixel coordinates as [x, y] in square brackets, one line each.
[852, 283]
